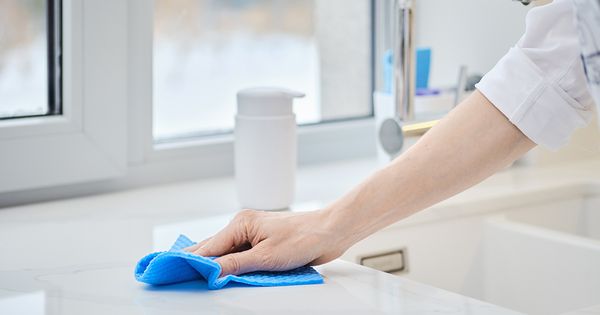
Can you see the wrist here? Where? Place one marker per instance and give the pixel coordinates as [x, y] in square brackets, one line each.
[337, 225]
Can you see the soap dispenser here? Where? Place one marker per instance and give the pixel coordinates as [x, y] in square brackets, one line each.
[265, 148]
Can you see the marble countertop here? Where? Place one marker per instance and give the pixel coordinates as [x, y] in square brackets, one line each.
[109, 288]
[77, 256]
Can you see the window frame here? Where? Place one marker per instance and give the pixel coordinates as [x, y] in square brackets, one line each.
[54, 13]
[73, 147]
[96, 159]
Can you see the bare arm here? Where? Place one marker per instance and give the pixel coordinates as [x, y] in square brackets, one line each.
[473, 142]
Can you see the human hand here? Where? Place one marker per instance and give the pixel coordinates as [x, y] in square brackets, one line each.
[273, 241]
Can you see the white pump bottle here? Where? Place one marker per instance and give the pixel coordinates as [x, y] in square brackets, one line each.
[265, 148]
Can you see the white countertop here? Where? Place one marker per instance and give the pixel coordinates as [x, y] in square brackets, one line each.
[77, 256]
[109, 288]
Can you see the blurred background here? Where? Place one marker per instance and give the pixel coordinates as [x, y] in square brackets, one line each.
[23, 59]
[207, 50]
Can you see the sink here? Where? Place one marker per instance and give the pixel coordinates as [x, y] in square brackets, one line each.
[535, 250]
[578, 214]
[544, 257]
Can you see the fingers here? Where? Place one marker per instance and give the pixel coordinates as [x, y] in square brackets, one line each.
[244, 262]
[194, 247]
[233, 236]
[241, 248]
[220, 244]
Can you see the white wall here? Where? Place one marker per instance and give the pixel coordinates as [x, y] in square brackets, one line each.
[476, 33]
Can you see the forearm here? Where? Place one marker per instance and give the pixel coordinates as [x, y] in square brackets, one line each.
[474, 141]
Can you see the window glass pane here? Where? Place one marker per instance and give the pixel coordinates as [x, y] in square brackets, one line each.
[207, 50]
[23, 58]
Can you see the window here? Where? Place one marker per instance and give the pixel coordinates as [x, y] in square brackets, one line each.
[30, 42]
[109, 90]
[207, 50]
[87, 141]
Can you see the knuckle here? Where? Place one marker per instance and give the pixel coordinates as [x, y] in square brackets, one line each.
[246, 218]
[267, 259]
[234, 265]
[246, 214]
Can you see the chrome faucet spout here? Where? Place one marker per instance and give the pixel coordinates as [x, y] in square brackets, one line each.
[392, 131]
[404, 59]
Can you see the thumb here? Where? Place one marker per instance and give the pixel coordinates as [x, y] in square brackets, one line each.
[243, 262]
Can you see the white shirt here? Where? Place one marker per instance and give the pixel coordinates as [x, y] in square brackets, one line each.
[540, 85]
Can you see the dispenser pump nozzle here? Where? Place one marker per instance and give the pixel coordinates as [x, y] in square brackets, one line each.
[266, 101]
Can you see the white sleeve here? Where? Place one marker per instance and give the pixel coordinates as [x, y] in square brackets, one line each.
[540, 85]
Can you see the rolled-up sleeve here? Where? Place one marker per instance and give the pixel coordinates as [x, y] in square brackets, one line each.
[540, 85]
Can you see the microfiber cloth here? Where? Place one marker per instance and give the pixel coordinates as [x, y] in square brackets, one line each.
[177, 265]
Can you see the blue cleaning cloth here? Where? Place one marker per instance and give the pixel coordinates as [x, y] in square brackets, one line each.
[177, 265]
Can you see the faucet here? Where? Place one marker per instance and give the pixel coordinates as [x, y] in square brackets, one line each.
[403, 47]
[393, 130]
